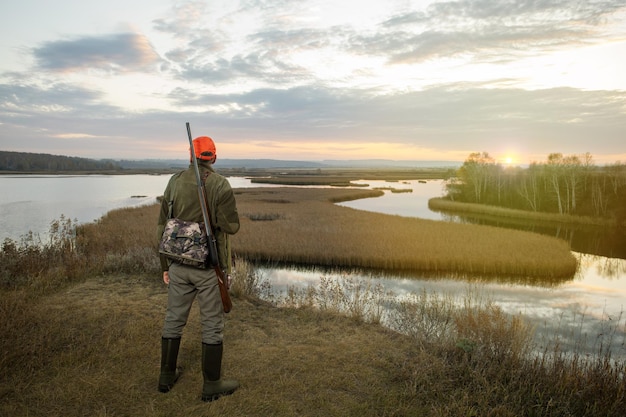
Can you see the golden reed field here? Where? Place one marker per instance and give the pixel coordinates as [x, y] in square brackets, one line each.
[303, 226]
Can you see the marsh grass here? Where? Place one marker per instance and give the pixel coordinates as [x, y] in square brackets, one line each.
[81, 329]
[304, 180]
[474, 324]
[312, 230]
[360, 300]
[41, 265]
[494, 354]
[425, 317]
[340, 176]
[248, 283]
[573, 338]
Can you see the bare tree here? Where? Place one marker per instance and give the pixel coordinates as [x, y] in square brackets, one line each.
[475, 173]
[572, 174]
[528, 187]
[617, 175]
[599, 200]
[554, 174]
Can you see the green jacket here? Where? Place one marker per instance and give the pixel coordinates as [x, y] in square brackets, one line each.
[182, 189]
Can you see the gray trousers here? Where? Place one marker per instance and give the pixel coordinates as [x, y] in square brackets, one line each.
[186, 284]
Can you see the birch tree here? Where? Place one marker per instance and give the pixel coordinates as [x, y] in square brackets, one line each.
[475, 174]
[528, 187]
[554, 174]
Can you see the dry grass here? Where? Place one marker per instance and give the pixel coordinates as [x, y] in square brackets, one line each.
[41, 265]
[102, 359]
[308, 229]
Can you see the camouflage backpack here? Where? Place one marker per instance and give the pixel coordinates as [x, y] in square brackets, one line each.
[183, 241]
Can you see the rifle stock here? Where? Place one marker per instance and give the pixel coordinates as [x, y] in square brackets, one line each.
[213, 254]
[221, 281]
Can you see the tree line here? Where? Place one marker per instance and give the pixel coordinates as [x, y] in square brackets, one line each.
[564, 184]
[37, 162]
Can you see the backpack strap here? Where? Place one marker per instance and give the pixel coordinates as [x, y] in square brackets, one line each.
[170, 203]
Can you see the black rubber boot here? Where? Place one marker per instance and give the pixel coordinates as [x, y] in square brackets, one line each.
[169, 372]
[214, 387]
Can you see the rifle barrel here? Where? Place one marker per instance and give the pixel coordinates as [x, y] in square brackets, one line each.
[214, 259]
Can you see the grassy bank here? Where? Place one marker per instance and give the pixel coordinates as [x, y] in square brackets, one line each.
[90, 347]
[446, 205]
[103, 358]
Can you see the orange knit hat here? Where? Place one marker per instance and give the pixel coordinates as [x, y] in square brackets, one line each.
[204, 148]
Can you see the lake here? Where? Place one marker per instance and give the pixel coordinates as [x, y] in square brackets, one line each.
[580, 307]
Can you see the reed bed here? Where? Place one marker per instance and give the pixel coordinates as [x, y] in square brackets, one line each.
[122, 240]
[41, 265]
[303, 226]
[307, 180]
[309, 229]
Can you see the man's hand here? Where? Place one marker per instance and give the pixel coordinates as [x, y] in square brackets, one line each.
[166, 277]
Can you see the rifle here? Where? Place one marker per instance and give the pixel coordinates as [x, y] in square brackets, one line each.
[213, 256]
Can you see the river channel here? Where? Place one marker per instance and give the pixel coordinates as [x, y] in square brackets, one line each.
[581, 308]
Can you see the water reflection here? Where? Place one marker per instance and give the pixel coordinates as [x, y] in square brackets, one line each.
[583, 314]
[372, 273]
[31, 203]
[407, 204]
[602, 241]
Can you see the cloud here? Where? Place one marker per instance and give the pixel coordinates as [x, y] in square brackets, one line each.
[262, 42]
[467, 117]
[452, 116]
[75, 136]
[31, 100]
[486, 29]
[260, 65]
[121, 52]
[266, 56]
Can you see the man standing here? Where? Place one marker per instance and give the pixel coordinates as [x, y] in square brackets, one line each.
[186, 283]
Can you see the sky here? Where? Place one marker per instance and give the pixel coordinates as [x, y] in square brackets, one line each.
[315, 79]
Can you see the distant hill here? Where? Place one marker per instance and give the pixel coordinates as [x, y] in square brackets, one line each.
[389, 163]
[40, 162]
[150, 164]
[36, 162]
[221, 163]
[357, 163]
[266, 163]
[277, 163]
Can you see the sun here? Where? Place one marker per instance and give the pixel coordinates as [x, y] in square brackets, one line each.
[508, 160]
